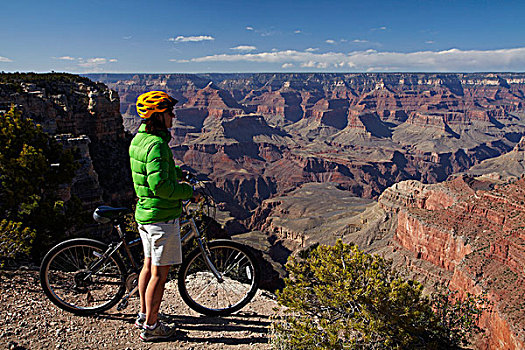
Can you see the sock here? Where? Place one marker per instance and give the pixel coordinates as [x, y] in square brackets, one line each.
[142, 315]
[152, 327]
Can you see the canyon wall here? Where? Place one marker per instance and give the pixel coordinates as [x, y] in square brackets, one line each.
[473, 229]
[290, 155]
[263, 138]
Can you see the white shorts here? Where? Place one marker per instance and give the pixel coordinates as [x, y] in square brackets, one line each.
[161, 242]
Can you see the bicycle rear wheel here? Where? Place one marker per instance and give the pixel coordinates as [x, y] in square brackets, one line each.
[69, 281]
[204, 293]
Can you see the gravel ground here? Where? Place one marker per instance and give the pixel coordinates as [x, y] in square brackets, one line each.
[33, 322]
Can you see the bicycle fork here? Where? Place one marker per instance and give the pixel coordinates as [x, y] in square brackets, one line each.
[206, 253]
[125, 301]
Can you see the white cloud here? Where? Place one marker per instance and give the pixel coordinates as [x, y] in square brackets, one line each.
[5, 59]
[184, 39]
[287, 65]
[330, 41]
[359, 41]
[380, 28]
[249, 28]
[312, 49]
[95, 62]
[297, 31]
[268, 33]
[243, 48]
[430, 42]
[87, 65]
[309, 64]
[127, 37]
[313, 64]
[343, 40]
[372, 60]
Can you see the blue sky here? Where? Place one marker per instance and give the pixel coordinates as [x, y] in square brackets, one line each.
[262, 36]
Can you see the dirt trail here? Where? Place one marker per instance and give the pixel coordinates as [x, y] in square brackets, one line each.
[30, 321]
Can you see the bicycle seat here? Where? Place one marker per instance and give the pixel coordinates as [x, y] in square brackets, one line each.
[104, 214]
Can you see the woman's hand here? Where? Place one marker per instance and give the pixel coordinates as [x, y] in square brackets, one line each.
[197, 196]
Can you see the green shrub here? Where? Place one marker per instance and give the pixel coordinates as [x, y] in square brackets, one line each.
[339, 297]
[32, 168]
[15, 240]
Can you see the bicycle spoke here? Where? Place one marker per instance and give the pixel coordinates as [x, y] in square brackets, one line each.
[223, 286]
[205, 288]
[66, 259]
[76, 258]
[228, 259]
[235, 264]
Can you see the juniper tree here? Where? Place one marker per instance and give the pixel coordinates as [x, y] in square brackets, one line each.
[339, 297]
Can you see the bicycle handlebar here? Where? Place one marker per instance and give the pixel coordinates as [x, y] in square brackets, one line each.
[206, 198]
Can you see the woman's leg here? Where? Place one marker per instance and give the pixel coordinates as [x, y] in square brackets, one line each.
[154, 292]
[144, 278]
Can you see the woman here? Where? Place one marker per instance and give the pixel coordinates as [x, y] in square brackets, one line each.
[156, 183]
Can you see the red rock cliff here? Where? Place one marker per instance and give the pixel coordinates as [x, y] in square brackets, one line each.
[476, 231]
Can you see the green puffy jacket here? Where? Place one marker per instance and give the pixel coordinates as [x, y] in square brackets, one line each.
[155, 178]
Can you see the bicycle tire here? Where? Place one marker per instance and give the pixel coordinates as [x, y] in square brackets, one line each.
[201, 290]
[64, 277]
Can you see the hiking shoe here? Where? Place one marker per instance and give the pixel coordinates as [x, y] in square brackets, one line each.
[161, 332]
[139, 322]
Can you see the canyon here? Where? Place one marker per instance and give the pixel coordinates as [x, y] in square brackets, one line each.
[83, 116]
[256, 136]
[471, 229]
[298, 158]
[422, 168]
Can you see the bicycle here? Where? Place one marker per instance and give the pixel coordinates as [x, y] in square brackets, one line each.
[86, 276]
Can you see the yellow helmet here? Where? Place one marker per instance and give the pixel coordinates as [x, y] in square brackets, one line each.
[154, 101]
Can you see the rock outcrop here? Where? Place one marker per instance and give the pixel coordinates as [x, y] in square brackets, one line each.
[85, 116]
[465, 234]
[473, 230]
[263, 138]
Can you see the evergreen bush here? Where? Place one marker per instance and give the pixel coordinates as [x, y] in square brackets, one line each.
[339, 297]
[32, 168]
[15, 240]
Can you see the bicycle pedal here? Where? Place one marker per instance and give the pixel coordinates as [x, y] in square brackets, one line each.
[122, 305]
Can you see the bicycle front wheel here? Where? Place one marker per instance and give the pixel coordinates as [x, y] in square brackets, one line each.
[205, 293]
[74, 278]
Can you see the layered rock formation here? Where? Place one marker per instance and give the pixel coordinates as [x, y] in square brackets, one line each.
[260, 135]
[85, 117]
[472, 230]
[511, 164]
